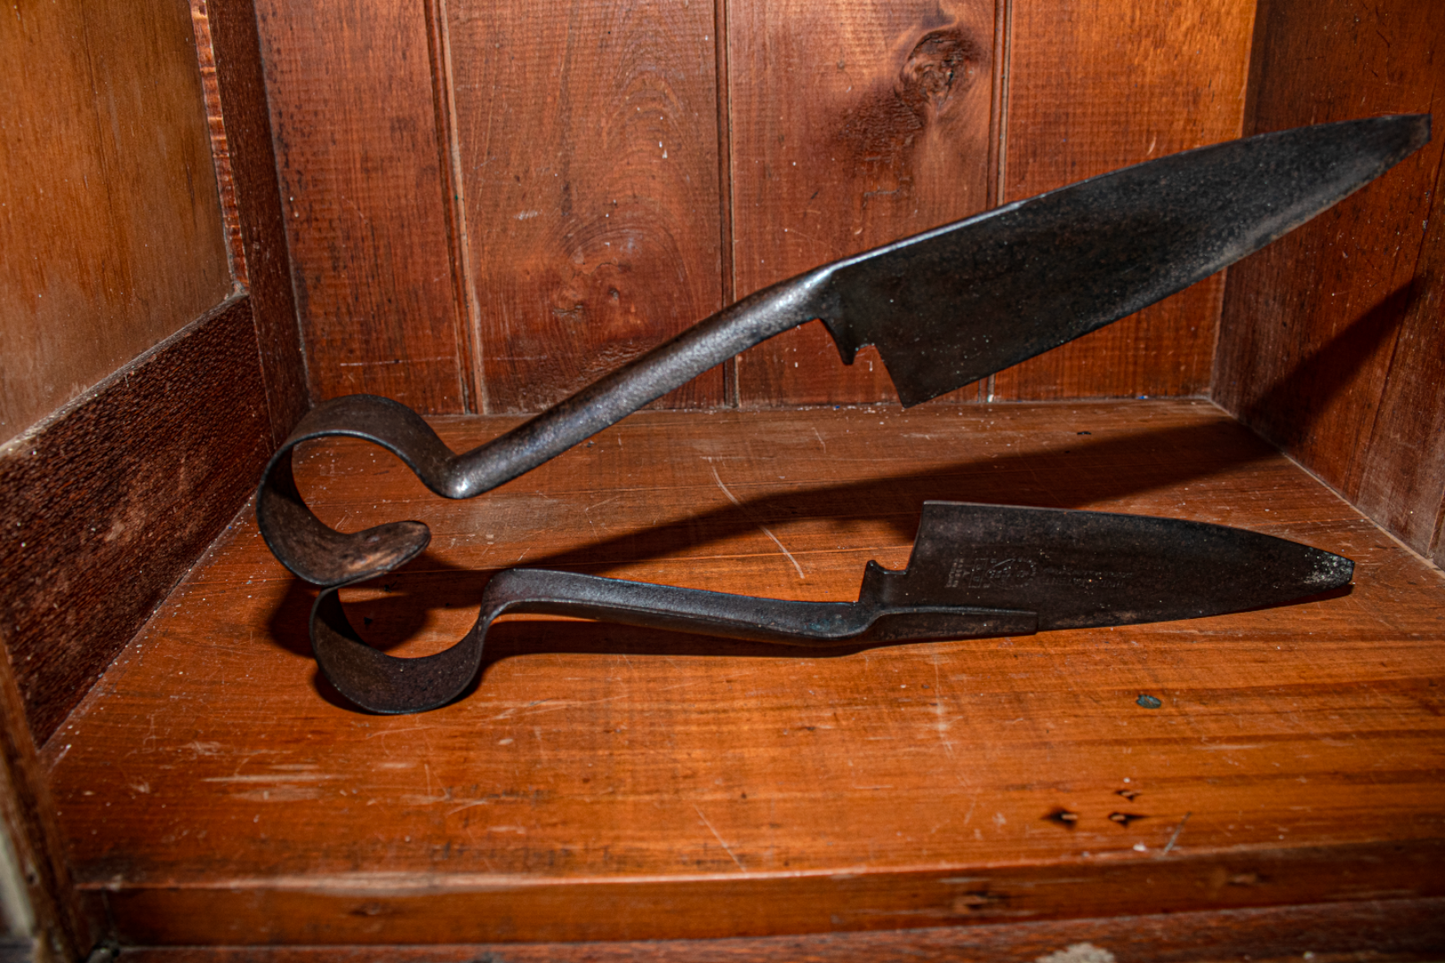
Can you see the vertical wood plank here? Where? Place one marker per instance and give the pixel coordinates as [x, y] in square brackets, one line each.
[587, 138]
[110, 222]
[1403, 483]
[350, 88]
[852, 125]
[1101, 84]
[220, 146]
[241, 86]
[1330, 341]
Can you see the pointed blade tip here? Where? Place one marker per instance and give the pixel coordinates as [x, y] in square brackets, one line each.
[1330, 572]
[1420, 132]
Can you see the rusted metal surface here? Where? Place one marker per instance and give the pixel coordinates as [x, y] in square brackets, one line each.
[944, 308]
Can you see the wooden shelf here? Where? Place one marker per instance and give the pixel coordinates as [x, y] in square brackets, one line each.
[604, 782]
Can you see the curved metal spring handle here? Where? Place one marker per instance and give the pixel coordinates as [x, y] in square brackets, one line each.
[320, 554]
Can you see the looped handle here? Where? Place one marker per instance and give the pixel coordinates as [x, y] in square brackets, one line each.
[314, 550]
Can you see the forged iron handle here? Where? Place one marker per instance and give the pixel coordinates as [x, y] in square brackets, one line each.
[388, 684]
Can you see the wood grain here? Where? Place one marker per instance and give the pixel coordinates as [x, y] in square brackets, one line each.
[1100, 84]
[1402, 485]
[109, 215]
[37, 849]
[852, 125]
[588, 146]
[103, 511]
[220, 145]
[1330, 343]
[242, 90]
[613, 783]
[1393, 929]
[350, 91]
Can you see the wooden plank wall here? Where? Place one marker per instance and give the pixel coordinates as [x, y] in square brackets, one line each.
[144, 384]
[1331, 343]
[490, 204]
[852, 125]
[110, 222]
[89, 495]
[363, 188]
[1100, 84]
[587, 150]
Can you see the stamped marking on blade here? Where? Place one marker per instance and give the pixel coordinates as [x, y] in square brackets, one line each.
[983, 573]
[974, 573]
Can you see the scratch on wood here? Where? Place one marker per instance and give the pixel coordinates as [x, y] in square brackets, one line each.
[941, 725]
[718, 838]
[766, 531]
[273, 777]
[1177, 830]
[479, 802]
[389, 732]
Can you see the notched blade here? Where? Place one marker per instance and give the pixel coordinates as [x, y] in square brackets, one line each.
[1079, 569]
[953, 305]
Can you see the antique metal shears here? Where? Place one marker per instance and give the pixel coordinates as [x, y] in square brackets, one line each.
[944, 309]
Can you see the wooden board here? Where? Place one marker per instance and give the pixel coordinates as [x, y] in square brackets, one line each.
[1330, 343]
[852, 125]
[242, 89]
[104, 511]
[1405, 477]
[110, 220]
[101, 513]
[362, 176]
[1403, 484]
[220, 144]
[27, 813]
[1391, 929]
[587, 146]
[1100, 84]
[613, 783]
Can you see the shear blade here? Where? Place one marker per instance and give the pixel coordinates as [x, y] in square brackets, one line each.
[1077, 569]
[953, 305]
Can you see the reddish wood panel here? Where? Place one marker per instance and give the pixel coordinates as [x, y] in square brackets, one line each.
[350, 90]
[1330, 343]
[105, 509]
[220, 147]
[1402, 485]
[852, 125]
[110, 222]
[588, 151]
[37, 849]
[609, 782]
[247, 128]
[413, 912]
[1100, 84]
[1391, 929]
